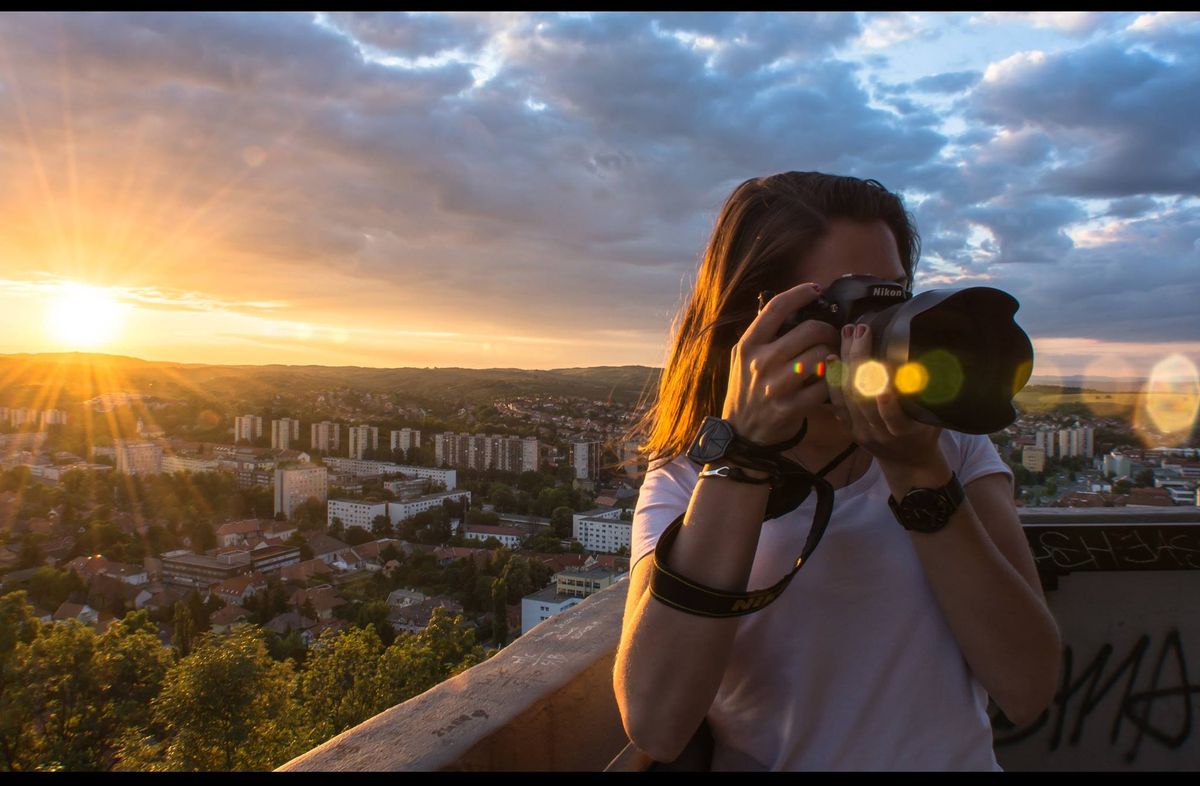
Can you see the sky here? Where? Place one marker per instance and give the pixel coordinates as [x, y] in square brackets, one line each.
[535, 190]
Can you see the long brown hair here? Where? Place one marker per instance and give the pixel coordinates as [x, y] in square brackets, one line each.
[764, 228]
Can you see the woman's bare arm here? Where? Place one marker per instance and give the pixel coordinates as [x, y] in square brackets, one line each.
[670, 663]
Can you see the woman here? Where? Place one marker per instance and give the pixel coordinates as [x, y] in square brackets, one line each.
[883, 650]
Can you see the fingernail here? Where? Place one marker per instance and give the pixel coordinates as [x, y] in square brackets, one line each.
[848, 331]
[816, 287]
[861, 331]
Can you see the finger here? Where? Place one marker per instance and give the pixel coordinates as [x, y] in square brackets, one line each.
[852, 418]
[870, 379]
[765, 326]
[810, 333]
[892, 414]
[803, 370]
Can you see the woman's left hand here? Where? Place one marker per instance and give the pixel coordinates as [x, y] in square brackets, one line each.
[867, 405]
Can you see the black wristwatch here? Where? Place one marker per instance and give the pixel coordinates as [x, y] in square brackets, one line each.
[717, 441]
[928, 510]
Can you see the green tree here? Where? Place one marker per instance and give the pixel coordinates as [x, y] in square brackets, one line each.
[415, 663]
[185, 629]
[63, 691]
[18, 629]
[338, 685]
[373, 614]
[381, 527]
[230, 706]
[561, 521]
[500, 612]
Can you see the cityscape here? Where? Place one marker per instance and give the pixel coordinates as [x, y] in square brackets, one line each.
[329, 340]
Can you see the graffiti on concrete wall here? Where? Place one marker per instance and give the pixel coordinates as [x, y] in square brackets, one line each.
[1115, 548]
[1124, 702]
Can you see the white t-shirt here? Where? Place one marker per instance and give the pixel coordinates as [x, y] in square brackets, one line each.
[854, 666]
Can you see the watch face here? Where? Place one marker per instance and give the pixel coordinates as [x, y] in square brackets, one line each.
[712, 442]
[926, 510]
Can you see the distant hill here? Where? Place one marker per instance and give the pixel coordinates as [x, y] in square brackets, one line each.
[1101, 384]
[73, 376]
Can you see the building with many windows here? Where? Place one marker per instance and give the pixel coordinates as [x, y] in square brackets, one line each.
[585, 458]
[294, 485]
[405, 439]
[1033, 458]
[176, 463]
[399, 511]
[367, 468]
[285, 433]
[362, 439]
[326, 436]
[569, 587]
[354, 512]
[602, 530]
[137, 458]
[479, 451]
[247, 428]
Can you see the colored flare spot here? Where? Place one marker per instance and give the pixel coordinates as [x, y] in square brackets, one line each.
[945, 377]
[1171, 399]
[911, 378]
[871, 378]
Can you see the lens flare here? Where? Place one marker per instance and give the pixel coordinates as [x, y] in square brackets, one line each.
[945, 377]
[836, 374]
[798, 367]
[1170, 401]
[911, 378]
[871, 378]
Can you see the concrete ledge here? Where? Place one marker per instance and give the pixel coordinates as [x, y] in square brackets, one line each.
[543, 703]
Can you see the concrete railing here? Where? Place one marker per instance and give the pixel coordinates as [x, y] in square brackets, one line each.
[1123, 584]
[543, 703]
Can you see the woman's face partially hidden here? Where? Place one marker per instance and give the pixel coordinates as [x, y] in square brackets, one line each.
[849, 248]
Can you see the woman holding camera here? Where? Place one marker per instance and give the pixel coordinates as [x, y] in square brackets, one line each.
[882, 652]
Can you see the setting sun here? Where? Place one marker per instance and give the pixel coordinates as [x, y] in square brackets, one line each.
[83, 317]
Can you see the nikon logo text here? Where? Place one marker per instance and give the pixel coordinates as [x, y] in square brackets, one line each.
[883, 292]
[752, 603]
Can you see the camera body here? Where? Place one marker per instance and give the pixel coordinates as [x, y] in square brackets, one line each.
[848, 300]
[963, 355]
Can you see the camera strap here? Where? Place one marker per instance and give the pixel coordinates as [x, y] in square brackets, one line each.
[794, 487]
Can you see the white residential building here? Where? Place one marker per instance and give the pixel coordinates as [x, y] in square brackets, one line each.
[602, 530]
[542, 605]
[585, 458]
[355, 513]
[294, 485]
[285, 433]
[1033, 459]
[399, 511]
[173, 463]
[1117, 464]
[480, 451]
[405, 439]
[363, 438]
[137, 458]
[326, 436]
[247, 428]
[366, 467]
[510, 537]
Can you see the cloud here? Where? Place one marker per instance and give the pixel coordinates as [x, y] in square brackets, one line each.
[526, 174]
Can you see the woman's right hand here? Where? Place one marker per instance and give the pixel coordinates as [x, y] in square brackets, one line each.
[768, 395]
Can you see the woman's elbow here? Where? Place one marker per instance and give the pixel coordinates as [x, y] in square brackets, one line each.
[648, 734]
